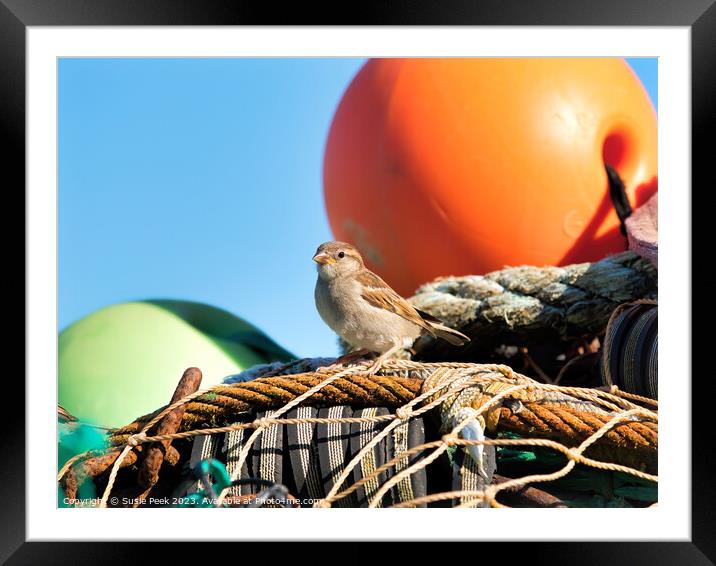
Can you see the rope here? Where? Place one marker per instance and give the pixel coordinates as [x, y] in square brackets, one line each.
[527, 305]
[629, 349]
[315, 389]
[614, 390]
[621, 308]
[402, 414]
[586, 425]
[218, 404]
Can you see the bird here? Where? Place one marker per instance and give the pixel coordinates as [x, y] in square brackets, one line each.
[365, 311]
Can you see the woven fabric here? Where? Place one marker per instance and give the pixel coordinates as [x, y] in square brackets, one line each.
[303, 454]
[266, 454]
[204, 448]
[361, 434]
[407, 434]
[231, 449]
[333, 441]
[308, 458]
[466, 475]
[643, 230]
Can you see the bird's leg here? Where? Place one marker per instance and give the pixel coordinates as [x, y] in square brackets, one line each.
[378, 363]
[341, 362]
[352, 356]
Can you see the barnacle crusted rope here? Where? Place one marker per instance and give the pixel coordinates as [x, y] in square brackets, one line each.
[218, 405]
[589, 426]
[536, 304]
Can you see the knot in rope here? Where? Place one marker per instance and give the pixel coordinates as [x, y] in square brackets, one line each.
[490, 493]
[449, 439]
[137, 439]
[404, 413]
[322, 504]
[263, 422]
[507, 371]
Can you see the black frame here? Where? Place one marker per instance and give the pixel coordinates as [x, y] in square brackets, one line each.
[699, 15]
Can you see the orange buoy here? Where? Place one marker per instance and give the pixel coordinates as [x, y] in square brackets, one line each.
[457, 166]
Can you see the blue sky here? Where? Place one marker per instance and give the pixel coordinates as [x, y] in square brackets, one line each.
[200, 179]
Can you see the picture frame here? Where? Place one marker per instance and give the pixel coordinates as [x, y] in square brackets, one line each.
[698, 15]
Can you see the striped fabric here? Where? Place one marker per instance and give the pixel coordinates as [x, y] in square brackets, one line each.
[334, 449]
[267, 454]
[361, 433]
[231, 449]
[303, 454]
[203, 448]
[308, 458]
[466, 476]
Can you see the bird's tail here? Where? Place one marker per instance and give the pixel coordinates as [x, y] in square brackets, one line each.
[453, 336]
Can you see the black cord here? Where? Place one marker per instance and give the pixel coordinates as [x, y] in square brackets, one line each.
[617, 192]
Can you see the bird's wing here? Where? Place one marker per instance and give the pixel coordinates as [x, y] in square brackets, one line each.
[428, 317]
[379, 294]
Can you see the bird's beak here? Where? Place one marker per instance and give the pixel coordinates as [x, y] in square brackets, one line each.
[322, 258]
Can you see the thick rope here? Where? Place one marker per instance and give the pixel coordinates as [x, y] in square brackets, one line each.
[224, 402]
[593, 420]
[247, 445]
[218, 405]
[402, 414]
[574, 455]
[527, 304]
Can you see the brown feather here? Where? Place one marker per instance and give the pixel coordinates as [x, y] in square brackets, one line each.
[379, 294]
[453, 336]
[445, 332]
[428, 317]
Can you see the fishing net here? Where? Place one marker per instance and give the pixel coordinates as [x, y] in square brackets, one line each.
[378, 440]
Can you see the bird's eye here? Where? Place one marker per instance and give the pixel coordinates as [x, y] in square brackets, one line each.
[341, 254]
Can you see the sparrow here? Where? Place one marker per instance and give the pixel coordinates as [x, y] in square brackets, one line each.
[365, 311]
